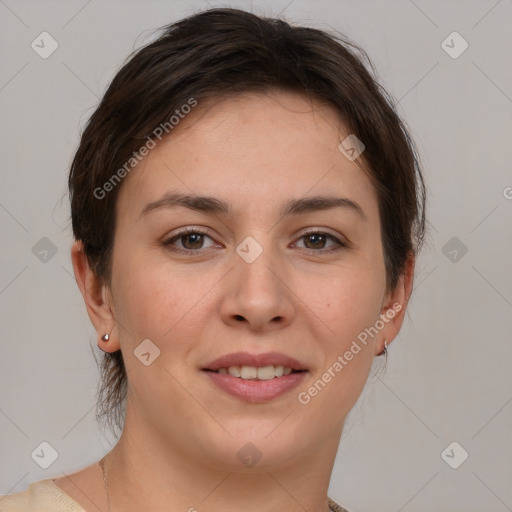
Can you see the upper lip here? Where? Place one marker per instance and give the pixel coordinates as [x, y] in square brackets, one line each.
[247, 359]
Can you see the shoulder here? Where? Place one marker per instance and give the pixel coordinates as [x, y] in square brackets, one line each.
[41, 496]
[334, 507]
[45, 496]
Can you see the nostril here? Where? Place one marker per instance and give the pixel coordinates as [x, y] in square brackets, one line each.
[239, 317]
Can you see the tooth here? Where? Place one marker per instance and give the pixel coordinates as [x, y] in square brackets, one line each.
[252, 372]
[248, 372]
[234, 371]
[266, 373]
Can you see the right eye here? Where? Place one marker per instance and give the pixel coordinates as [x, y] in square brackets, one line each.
[191, 240]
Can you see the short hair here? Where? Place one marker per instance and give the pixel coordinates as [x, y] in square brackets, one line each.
[223, 52]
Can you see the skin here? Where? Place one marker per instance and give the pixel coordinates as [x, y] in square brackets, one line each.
[179, 446]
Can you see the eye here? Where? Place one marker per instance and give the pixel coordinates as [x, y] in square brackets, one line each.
[191, 240]
[315, 242]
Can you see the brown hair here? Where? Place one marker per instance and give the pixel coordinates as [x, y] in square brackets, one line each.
[222, 52]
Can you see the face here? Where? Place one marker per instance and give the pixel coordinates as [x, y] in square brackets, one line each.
[283, 260]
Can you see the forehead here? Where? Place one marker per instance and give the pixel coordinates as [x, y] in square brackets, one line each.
[251, 149]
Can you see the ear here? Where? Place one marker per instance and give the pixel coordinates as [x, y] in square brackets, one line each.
[97, 299]
[395, 303]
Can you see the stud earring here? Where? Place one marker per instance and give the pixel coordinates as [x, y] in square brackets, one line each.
[105, 337]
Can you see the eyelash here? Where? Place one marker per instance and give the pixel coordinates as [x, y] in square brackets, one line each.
[187, 231]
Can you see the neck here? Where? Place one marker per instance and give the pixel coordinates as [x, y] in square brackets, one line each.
[146, 472]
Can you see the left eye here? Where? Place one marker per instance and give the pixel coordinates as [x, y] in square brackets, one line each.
[317, 240]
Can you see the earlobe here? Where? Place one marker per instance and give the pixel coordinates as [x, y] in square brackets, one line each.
[94, 293]
[384, 351]
[108, 344]
[393, 310]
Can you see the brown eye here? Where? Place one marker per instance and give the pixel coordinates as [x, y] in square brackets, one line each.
[318, 242]
[189, 240]
[315, 241]
[192, 240]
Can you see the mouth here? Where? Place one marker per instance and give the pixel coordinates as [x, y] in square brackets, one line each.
[255, 372]
[255, 378]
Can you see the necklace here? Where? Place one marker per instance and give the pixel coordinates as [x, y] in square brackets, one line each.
[102, 464]
[104, 471]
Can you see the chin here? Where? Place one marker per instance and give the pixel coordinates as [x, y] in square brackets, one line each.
[259, 447]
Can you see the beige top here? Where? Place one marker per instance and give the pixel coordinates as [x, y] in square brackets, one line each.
[46, 496]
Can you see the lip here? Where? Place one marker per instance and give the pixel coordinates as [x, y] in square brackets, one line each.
[255, 391]
[247, 359]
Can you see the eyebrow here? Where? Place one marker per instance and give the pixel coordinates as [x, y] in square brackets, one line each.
[213, 205]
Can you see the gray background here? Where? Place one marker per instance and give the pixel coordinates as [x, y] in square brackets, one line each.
[448, 375]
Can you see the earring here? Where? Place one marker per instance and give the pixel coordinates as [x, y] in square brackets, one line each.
[105, 337]
[385, 351]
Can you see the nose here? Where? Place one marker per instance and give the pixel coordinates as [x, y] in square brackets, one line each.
[257, 295]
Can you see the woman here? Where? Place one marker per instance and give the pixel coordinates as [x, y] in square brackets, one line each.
[247, 207]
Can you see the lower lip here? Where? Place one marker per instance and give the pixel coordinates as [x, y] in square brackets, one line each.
[256, 391]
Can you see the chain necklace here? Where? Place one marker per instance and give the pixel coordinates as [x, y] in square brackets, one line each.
[102, 464]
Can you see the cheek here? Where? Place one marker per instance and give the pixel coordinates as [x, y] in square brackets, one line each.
[153, 304]
[157, 301]
[346, 301]
[347, 306]
[145, 301]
